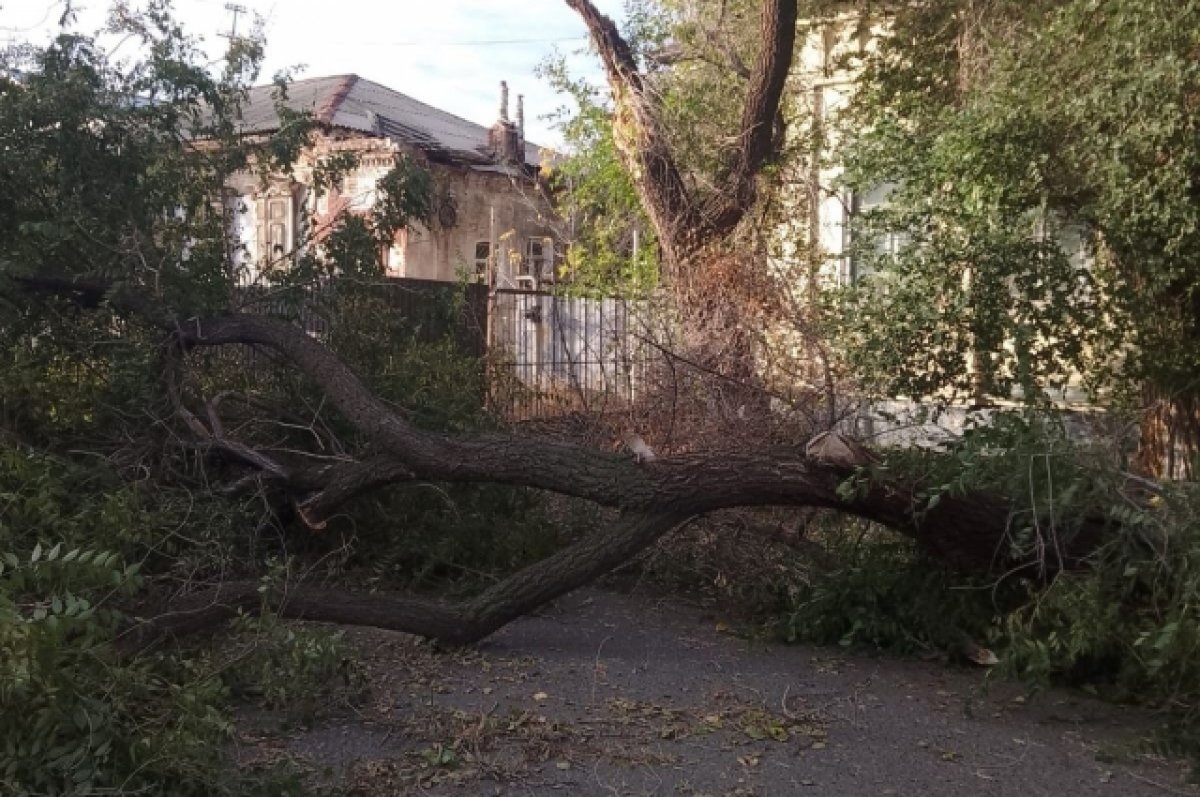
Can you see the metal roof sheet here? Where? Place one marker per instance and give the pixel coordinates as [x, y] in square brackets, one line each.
[354, 103]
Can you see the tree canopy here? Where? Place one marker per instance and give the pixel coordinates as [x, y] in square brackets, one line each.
[1042, 161]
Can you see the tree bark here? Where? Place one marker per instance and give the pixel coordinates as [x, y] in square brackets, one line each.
[462, 623]
[968, 532]
[687, 224]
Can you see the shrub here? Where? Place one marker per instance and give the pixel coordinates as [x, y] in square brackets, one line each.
[76, 718]
[1127, 627]
[881, 591]
[296, 669]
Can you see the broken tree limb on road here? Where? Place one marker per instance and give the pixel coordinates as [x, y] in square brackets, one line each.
[968, 532]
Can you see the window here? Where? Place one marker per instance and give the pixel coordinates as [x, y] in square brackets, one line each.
[395, 256]
[275, 227]
[243, 238]
[880, 241]
[536, 261]
[360, 191]
[279, 227]
[483, 253]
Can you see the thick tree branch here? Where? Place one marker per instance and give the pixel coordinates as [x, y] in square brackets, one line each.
[641, 141]
[687, 224]
[460, 623]
[777, 40]
[969, 531]
[334, 485]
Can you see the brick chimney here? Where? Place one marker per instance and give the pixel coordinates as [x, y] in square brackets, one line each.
[504, 138]
[521, 124]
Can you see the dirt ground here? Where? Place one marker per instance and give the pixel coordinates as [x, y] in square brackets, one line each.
[614, 694]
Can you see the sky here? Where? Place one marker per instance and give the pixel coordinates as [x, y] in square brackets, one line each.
[451, 54]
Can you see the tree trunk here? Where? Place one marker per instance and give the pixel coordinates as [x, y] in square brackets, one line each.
[688, 224]
[1169, 444]
[968, 532]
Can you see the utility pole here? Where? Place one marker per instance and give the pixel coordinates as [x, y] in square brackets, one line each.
[235, 9]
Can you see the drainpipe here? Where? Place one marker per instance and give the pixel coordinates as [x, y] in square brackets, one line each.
[491, 281]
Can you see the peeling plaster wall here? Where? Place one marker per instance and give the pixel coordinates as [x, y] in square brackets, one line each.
[441, 251]
[444, 251]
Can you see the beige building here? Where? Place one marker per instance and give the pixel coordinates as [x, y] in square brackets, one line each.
[814, 240]
[490, 216]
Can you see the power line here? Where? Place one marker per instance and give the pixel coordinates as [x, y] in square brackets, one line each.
[236, 10]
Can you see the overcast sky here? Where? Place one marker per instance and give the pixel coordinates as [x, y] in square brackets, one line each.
[449, 53]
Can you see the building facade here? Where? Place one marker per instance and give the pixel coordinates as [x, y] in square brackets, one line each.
[491, 218]
[816, 245]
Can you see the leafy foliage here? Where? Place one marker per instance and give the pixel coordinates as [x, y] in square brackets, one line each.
[76, 718]
[112, 173]
[1126, 628]
[1042, 162]
[613, 246]
[295, 670]
[882, 592]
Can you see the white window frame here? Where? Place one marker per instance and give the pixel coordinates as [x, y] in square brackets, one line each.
[889, 243]
[540, 265]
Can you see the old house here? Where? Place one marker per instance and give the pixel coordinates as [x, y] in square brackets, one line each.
[823, 242]
[490, 221]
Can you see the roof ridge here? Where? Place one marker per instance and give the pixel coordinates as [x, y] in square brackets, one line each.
[333, 102]
[312, 79]
[356, 103]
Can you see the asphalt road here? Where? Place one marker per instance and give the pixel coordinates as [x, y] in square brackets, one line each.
[614, 694]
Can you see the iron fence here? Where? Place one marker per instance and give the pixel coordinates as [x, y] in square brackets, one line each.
[552, 353]
[430, 310]
[546, 352]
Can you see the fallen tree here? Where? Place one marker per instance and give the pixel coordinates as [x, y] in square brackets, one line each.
[649, 498]
[969, 532]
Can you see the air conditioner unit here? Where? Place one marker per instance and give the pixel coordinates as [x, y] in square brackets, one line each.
[526, 282]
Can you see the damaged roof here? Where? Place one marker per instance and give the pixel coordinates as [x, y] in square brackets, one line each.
[354, 103]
